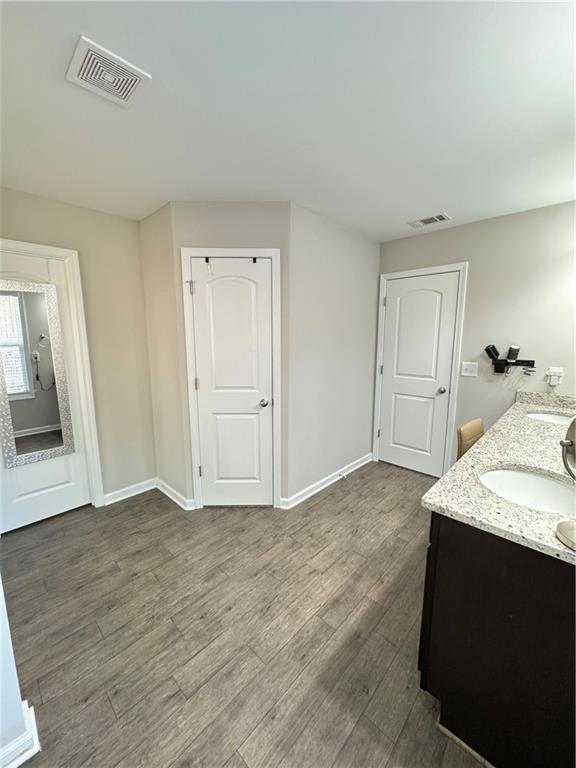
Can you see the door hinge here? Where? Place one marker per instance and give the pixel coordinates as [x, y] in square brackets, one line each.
[191, 286]
[384, 301]
[196, 384]
[200, 471]
[378, 433]
[381, 370]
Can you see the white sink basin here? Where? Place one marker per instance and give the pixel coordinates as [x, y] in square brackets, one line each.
[551, 418]
[531, 490]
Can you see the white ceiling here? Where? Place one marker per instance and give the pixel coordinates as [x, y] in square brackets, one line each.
[371, 113]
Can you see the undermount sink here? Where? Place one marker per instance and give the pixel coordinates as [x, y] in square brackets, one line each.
[551, 418]
[530, 489]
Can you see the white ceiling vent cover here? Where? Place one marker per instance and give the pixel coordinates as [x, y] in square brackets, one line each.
[437, 219]
[102, 72]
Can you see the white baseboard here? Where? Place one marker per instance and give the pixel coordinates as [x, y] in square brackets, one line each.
[305, 493]
[148, 485]
[128, 491]
[25, 746]
[462, 744]
[173, 494]
[188, 504]
[37, 430]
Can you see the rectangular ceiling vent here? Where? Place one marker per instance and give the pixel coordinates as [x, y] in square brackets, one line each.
[103, 72]
[419, 223]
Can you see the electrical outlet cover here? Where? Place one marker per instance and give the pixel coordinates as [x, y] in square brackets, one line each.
[469, 369]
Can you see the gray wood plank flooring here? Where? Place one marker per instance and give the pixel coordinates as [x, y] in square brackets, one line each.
[229, 637]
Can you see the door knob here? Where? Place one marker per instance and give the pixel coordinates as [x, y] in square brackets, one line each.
[441, 390]
[263, 402]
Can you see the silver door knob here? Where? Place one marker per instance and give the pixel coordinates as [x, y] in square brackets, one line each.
[441, 390]
[263, 402]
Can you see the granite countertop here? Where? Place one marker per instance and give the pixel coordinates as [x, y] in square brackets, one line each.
[514, 442]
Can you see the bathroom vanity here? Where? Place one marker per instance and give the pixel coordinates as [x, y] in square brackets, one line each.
[497, 641]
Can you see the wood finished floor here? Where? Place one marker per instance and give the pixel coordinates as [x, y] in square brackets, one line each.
[244, 638]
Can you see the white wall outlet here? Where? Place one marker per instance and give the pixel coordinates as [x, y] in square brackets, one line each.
[469, 369]
[35, 356]
[554, 375]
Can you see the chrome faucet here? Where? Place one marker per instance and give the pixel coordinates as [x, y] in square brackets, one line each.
[569, 449]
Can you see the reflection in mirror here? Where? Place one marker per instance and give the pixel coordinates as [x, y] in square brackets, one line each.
[33, 393]
[29, 371]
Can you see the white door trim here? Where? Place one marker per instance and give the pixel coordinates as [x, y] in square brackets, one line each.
[233, 253]
[79, 343]
[462, 269]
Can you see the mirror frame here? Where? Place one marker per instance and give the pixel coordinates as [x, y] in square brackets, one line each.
[7, 439]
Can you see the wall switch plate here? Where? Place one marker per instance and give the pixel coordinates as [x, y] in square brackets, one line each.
[469, 369]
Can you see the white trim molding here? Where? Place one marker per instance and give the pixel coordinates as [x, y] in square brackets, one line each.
[463, 746]
[154, 483]
[450, 438]
[129, 491]
[25, 746]
[172, 493]
[319, 485]
[37, 430]
[189, 504]
[273, 254]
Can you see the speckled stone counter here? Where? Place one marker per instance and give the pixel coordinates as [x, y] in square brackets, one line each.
[514, 442]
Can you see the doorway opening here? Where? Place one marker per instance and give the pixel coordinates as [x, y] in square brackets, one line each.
[420, 325]
[232, 329]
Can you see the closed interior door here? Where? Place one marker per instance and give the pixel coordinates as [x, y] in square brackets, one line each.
[44, 464]
[232, 301]
[419, 330]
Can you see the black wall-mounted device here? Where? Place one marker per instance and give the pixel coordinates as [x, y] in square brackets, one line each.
[503, 364]
[492, 352]
[513, 353]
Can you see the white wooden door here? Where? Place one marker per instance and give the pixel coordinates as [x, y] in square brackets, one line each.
[232, 299]
[419, 333]
[31, 492]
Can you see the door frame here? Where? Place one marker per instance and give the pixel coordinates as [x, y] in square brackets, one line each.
[186, 254]
[79, 343]
[461, 268]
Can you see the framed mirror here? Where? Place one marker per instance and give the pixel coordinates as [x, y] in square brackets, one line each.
[35, 420]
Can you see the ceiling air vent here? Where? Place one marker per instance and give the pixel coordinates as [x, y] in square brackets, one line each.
[102, 72]
[419, 223]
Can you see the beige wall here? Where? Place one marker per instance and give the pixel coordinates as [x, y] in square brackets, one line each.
[164, 325]
[333, 286]
[520, 291]
[329, 285]
[211, 225]
[112, 288]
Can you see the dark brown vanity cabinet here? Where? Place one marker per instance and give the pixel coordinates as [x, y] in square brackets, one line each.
[497, 646]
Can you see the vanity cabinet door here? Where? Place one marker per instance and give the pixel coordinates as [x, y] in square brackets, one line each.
[498, 644]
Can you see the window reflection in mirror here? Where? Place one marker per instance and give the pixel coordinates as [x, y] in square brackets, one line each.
[26, 357]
